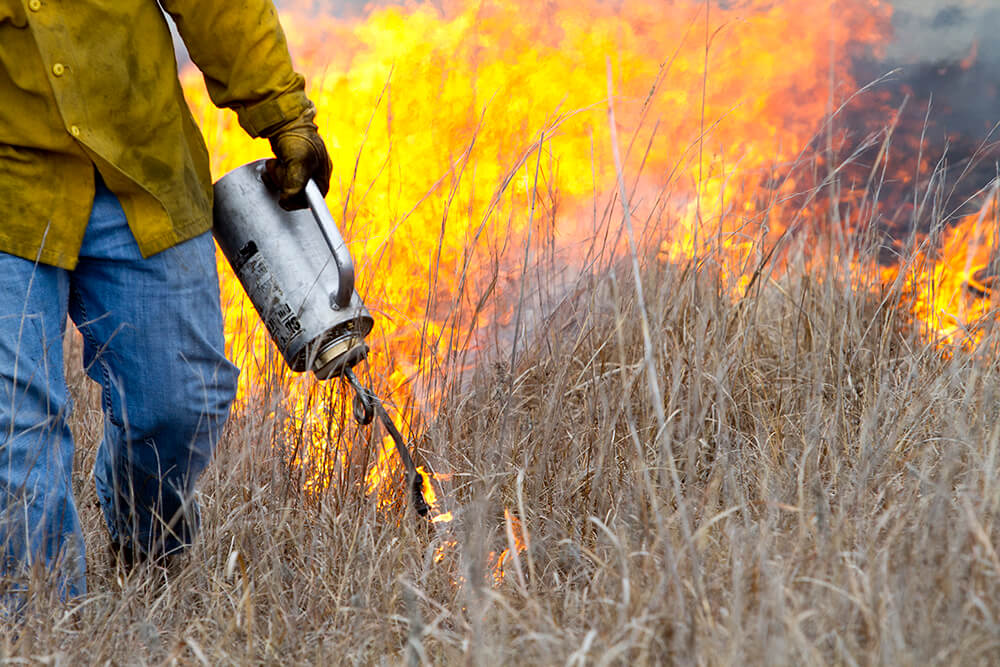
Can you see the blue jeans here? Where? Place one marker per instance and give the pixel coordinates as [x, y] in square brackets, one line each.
[152, 336]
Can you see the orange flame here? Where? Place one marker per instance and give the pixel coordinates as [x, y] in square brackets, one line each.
[516, 537]
[971, 57]
[459, 134]
[949, 293]
[517, 540]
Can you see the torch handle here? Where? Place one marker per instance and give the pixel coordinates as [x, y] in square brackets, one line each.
[341, 255]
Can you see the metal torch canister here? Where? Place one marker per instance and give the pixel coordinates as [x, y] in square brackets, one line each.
[296, 269]
[299, 276]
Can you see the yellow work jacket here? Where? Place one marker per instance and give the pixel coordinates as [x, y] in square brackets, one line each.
[94, 82]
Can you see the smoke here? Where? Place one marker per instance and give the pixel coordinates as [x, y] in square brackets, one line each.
[949, 57]
[932, 31]
[943, 59]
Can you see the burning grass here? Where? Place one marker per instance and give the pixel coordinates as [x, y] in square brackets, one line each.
[822, 488]
[784, 452]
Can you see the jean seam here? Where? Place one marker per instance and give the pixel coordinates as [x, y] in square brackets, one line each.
[105, 373]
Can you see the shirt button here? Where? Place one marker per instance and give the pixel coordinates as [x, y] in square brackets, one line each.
[58, 69]
[74, 130]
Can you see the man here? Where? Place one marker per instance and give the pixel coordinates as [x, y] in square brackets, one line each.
[106, 203]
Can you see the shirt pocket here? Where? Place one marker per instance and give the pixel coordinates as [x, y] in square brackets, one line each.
[12, 12]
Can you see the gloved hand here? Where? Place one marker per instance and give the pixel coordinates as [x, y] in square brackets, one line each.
[301, 155]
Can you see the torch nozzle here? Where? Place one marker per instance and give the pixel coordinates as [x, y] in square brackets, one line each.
[419, 503]
[366, 406]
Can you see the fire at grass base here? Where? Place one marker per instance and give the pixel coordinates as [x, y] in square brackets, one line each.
[821, 488]
[785, 454]
[480, 129]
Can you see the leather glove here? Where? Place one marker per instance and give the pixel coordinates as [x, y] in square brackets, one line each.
[301, 155]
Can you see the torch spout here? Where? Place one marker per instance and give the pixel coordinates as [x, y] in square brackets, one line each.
[366, 405]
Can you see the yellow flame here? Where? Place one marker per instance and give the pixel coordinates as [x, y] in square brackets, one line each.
[945, 296]
[455, 133]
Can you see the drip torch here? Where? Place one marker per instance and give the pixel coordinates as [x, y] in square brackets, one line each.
[299, 275]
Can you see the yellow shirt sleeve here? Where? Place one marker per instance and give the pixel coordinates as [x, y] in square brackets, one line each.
[94, 83]
[241, 49]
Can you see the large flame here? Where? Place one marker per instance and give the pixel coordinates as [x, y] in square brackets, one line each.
[458, 133]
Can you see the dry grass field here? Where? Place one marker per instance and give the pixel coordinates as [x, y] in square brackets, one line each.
[813, 483]
[788, 473]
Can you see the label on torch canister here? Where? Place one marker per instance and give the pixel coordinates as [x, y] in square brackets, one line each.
[279, 318]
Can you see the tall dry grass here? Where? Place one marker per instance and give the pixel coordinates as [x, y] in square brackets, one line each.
[824, 490]
[791, 476]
